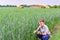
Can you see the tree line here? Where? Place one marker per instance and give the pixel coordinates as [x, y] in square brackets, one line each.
[7, 5]
[54, 6]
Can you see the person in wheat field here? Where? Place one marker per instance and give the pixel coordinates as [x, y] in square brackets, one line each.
[42, 31]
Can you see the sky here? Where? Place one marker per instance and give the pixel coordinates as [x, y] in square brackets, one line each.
[29, 2]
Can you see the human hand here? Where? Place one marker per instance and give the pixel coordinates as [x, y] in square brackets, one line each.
[34, 31]
[38, 32]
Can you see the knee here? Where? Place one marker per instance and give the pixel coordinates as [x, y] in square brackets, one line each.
[43, 37]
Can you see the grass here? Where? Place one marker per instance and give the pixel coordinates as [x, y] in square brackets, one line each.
[19, 24]
[56, 35]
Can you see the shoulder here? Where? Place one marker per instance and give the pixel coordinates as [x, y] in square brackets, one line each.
[45, 26]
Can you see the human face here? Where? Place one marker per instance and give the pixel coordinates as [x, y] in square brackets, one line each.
[41, 24]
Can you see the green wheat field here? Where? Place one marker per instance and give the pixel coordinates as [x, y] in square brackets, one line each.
[19, 24]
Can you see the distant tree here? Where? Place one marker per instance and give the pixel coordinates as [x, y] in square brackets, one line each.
[25, 5]
[56, 6]
[0, 5]
[7, 5]
[49, 6]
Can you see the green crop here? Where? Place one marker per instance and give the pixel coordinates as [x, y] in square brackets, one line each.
[19, 24]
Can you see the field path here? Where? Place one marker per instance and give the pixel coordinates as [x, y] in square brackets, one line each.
[56, 33]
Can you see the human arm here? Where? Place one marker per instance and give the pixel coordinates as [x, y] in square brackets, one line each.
[36, 30]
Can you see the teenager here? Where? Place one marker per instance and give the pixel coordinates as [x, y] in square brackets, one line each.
[42, 31]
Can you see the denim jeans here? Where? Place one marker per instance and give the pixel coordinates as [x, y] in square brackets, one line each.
[43, 37]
